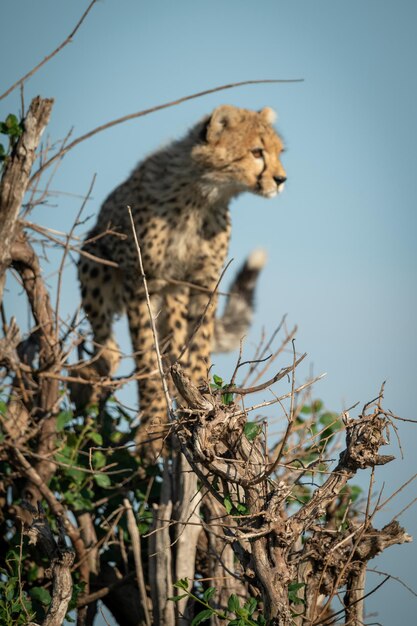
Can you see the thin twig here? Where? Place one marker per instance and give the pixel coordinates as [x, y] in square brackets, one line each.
[52, 54]
[261, 405]
[381, 573]
[159, 107]
[281, 374]
[43, 231]
[274, 465]
[397, 491]
[66, 250]
[263, 351]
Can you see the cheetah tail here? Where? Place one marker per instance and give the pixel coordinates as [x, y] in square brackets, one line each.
[238, 312]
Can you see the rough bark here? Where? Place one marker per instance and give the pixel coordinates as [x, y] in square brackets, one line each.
[61, 559]
[44, 399]
[160, 558]
[266, 539]
[187, 528]
[15, 179]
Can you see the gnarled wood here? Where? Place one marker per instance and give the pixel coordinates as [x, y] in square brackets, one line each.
[15, 179]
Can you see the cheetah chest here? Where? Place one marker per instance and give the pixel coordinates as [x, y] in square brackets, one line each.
[193, 240]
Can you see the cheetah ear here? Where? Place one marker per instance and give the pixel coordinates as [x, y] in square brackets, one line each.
[225, 116]
[268, 115]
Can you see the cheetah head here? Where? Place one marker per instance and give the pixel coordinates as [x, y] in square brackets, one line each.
[240, 150]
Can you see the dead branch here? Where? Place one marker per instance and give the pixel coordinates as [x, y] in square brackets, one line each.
[266, 539]
[15, 178]
[56, 507]
[68, 40]
[159, 107]
[281, 374]
[160, 558]
[60, 557]
[45, 403]
[67, 245]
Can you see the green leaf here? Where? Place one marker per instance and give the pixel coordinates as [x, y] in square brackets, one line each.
[99, 459]
[202, 616]
[64, 455]
[227, 398]
[41, 595]
[333, 424]
[306, 409]
[228, 504]
[178, 598]
[11, 120]
[209, 593]
[77, 589]
[96, 437]
[233, 604]
[295, 586]
[16, 606]
[11, 127]
[317, 405]
[102, 480]
[116, 437]
[242, 509]
[182, 583]
[77, 475]
[10, 592]
[77, 501]
[252, 430]
[63, 419]
[250, 605]
[330, 419]
[355, 492]
[217, 380]
[292, 593]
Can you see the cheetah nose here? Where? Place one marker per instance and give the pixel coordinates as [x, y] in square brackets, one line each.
[280, 180]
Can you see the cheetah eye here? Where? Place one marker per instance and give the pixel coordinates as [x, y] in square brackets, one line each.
[257, 153]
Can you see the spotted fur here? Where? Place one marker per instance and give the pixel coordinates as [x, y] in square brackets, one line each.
[179, 197]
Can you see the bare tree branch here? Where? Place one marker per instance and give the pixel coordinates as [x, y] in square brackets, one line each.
[68, 40]
[159, 107]
[15, 179]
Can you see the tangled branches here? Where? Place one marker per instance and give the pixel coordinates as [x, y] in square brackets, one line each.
[253, 535]
[274, 546]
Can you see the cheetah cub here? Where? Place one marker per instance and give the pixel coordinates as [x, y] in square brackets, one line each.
[180, 199]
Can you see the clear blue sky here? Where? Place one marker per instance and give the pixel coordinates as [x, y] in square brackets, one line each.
[340, 240]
